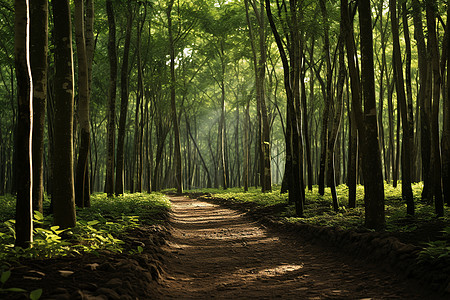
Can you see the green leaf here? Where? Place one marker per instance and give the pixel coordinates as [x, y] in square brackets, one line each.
[38, 215]
[140, 249]
[36, 294]
[54, 228]
[19, 290]
[5, 276]
[94, 222]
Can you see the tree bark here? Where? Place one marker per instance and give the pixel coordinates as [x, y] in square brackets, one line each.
[423, 97]
[445, 141]
[435, 165]
[63, 189]
[328, 99]
[178, 168]
[401, 98]
[82, 174]
[38, 57]
[119, 188]
[110, 127]
[24, 182]
[293, 141]
[373, 176]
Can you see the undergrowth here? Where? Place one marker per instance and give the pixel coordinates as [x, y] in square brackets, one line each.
[319, 211]
[98, 227]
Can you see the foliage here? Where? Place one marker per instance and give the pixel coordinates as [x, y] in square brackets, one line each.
[34, 295]
[318, 211]
[98, 227]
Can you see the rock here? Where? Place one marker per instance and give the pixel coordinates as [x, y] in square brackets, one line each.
[59, 291]
[115, 282]
[109, 293]
[65, 273]
[88, 286]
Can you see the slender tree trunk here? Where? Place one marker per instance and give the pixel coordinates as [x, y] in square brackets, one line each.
[119, 188]
[327, 102]
[373, 176]
[24, 215]
[82, 174]
[178, 169]
[63, 195]
[246, 146]
[409, 98]
[423, 96]
[306, 136]
[445, 141]
[435, 165]
[337, 122]
[401, 98]
[293, 141]
[38, 57]
[356, 119]
[110, 127]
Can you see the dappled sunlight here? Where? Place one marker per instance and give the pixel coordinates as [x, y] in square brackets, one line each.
[282, 269]
[220, 253]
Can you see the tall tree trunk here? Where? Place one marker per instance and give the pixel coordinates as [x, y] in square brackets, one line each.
[356, 119]
[337, 121]
[445, 141]
[293, 141]
[409, 100]
[38, 57]
[110, 127]
[90, 47]
[401, 98]
[435, 165]
[373, 176]
[24, 215]
[119, 188]
[246, 146]
[82, 174]
[63, 195]
[423, 96]
[178, 169]
[306, 136]
[259, 65]
[327, 102]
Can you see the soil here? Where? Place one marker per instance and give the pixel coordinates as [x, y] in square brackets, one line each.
[209, 251]
[221, 253]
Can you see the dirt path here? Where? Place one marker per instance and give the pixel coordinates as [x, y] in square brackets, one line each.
[219, 253]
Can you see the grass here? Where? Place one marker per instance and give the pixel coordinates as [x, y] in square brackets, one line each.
[423, 229]
[319, 211]
[99, 227]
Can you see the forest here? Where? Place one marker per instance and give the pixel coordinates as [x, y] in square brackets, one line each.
[318, 107]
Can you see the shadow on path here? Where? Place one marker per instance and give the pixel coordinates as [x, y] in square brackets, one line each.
[220, 253]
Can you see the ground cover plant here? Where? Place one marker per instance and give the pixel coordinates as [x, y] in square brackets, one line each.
[424, 229]
[100, 229]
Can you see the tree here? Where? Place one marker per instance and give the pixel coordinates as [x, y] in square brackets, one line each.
[292, 88]
[24, 216]
[111, 115]
[401, 98]
[38, 58]
[82, 174]
[259, 65]
[373, 175]
[63, 189]
[178, 169]
[435, 164]
[119, 187]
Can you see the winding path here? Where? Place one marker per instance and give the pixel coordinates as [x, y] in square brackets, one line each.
[219, 253]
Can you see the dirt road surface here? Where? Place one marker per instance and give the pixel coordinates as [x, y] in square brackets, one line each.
[220, 253]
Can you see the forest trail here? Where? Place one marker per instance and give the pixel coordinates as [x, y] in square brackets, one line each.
[220, 253]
